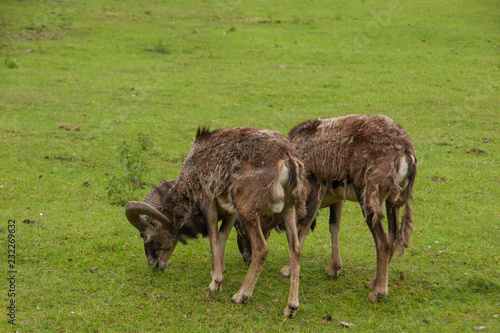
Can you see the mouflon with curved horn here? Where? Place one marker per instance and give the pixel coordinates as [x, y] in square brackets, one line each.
[246, 172]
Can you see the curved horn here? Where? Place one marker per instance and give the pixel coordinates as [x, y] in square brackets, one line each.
[134, 210]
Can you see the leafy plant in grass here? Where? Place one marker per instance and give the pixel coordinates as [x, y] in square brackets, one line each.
[144, 142]
[160, 48]
[121, 189]
[10, 63]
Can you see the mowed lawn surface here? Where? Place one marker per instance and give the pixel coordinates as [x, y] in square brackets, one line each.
[100, 100]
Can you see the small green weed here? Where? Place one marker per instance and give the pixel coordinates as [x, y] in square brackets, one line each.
[144, 142]
[160, 48]
[121, 189]
[10, 63]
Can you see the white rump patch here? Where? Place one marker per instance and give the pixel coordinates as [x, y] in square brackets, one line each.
[284, 175]
[402, 178]
[278, 190]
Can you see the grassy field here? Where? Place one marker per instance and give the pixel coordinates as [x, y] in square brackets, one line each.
[96, 96]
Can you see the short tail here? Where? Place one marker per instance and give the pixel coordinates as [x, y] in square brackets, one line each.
[298, 184]
[406, 229]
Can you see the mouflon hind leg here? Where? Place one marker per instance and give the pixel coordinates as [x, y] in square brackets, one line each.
[334, 225]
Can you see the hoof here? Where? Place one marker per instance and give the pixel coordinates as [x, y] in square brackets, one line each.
[240, 298]
[291, 311]
[333, 270]
[285, 271]
[376, 296]
[215, 285]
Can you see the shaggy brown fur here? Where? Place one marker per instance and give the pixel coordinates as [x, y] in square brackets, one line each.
[363, 150]
[369, 159]
[245, 172]
[377, 157]
[232, 160]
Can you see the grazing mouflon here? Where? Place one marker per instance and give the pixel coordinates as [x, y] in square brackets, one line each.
[243, 172]
[369, 159]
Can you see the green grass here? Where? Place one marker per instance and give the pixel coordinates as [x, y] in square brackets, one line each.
[122, 72]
